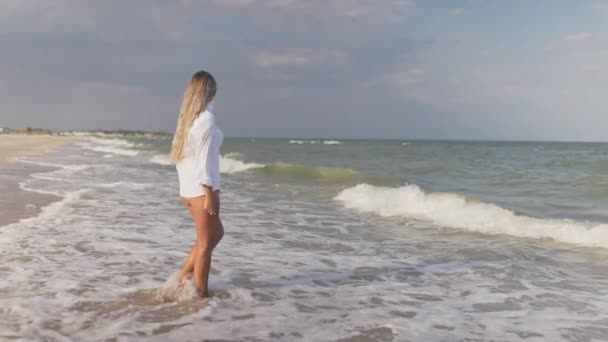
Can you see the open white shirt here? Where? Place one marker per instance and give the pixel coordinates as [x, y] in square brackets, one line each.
[201, 163]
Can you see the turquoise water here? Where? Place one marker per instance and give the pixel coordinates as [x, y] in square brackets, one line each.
[325, 240]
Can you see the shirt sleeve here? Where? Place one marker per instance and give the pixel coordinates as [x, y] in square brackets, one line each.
[208, 159]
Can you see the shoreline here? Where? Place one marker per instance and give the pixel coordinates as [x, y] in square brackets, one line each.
[17, 204]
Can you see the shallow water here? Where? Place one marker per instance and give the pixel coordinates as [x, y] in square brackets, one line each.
[358, 240]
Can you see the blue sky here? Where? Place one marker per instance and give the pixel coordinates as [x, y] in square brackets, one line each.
[471, 69]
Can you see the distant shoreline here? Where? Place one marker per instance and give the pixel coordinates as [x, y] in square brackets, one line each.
[143, 133]
[42, 131]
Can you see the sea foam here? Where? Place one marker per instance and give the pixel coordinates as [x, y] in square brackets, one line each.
[161, 159]
[113, 146]
[231, 165]
[227, 164]
[313, 142]
[456, 211]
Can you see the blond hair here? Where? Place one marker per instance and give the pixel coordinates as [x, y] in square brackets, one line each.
[199, 92]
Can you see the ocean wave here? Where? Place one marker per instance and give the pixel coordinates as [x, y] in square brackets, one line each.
[456, 211]
[74, 167]
[112, 146]
[55, 208]
[113, 150]
[325, 142]
[234, 155]
[130, 185]
[334, 175]
[23, 185]
[300, 142]
[230, 164]
[161, 159]
[112, 142]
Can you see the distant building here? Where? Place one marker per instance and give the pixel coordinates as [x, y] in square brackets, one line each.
[1, 130]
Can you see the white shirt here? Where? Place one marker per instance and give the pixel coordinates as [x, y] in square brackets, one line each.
[201, 163]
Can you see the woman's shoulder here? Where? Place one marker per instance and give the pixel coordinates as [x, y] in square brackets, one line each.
[205, 121]
[205, 118]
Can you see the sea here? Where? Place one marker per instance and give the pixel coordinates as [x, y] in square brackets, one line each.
[325, 240]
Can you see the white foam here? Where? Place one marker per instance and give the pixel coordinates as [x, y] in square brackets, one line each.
[172, 291]
[113, 146]
[112, 142]
[56, 208]
[230, 165]
[161, 159]
[74, 167]
[113, 150]
[234, 155]
[23, 186]
[455, 211]
[300, 142]
[80, 134]
[130, 185]
[325, 142]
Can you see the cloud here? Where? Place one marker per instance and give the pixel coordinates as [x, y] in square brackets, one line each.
[109, 65]
[402, 77]
[571, 41]
[577, 37]
[316, 8]
[297, 58]
[601, 6]
[457, 11]
[86, 50]
[269, 59]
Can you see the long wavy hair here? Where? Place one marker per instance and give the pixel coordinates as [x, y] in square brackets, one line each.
[199, 92]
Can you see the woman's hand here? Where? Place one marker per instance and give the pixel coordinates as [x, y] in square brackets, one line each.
[211, 203]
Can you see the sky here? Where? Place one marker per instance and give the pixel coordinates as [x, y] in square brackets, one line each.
[392, 69]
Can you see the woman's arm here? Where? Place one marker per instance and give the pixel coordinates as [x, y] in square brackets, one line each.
[208, 163]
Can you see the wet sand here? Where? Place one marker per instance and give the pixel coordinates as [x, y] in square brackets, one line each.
[16, 204]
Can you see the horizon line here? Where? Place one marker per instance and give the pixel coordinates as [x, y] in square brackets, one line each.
[118, 131]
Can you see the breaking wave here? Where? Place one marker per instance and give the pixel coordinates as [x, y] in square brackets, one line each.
[456, 211]
[230, 164]
[333, 175]
[114, 146]
[325, 142]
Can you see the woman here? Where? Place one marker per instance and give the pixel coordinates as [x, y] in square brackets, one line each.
[196, 154]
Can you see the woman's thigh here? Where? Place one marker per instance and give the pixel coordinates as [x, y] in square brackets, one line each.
[203, 221]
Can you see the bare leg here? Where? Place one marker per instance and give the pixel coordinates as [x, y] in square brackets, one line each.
[205, 224]
[202, 266]
[218, 234]
[188, 265]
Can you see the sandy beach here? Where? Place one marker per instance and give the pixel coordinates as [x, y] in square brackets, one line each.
[13, 146]
[15, 203]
